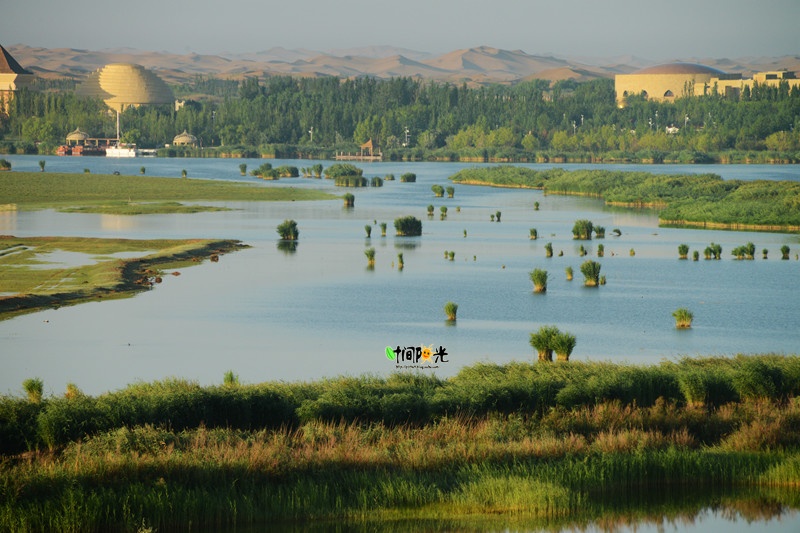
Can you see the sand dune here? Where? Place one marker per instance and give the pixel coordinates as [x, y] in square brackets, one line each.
[479, 65]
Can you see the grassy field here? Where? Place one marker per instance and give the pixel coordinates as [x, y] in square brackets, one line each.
[534, 443]
[692, 200]
[42, 272]
[133, 194]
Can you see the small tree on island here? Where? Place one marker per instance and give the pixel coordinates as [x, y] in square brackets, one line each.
[349, 200]
[683, 318]
[451, 310]
[569, 273]
[430, 210]
[443, 212]
[408, 226]
[408, 177]
[383, 229]
[539, 279]
[591, 273]
[288, 230]
[548, 249]
[438, 190]
[451, 191]
[534, 234]
[784, 252]
[683, 251]
[368, 229]
[243, 169]
[582, 230]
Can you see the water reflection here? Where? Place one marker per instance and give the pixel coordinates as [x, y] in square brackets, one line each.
[287, 247]
[680, 510]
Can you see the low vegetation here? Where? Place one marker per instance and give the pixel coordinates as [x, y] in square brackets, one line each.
[133, 194]
[521, 439]
[36, 276]
[704, 200]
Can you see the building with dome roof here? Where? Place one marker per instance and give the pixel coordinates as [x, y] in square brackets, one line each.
[665, 83]
[184, 139]
[122, 85]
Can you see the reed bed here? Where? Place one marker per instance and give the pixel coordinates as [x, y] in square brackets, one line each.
[535, 441]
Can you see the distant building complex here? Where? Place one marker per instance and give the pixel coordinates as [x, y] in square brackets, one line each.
[665, 83]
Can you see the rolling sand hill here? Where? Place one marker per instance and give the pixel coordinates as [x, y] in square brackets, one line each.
[478, 65]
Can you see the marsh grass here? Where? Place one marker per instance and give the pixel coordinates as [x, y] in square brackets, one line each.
[520, 439]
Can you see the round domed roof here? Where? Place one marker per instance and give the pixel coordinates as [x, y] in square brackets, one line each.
[77, 135]
[680, 68]
[125, 84]
[184, 138]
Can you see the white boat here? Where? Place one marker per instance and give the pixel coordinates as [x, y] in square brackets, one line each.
[122, 150]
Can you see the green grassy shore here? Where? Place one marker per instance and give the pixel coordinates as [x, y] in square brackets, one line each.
[114, 194]
[705, 201]
[522, 443]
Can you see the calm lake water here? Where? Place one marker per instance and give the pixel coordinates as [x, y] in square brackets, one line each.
[270, 315]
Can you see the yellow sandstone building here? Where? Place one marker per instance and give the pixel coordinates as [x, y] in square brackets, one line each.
[12, 78]
[665, 83]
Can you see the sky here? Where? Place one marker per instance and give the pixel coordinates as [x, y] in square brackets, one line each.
[663, 29]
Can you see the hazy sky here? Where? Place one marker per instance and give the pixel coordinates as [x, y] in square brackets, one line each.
[663, 29]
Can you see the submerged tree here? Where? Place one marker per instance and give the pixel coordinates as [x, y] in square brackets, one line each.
[349, 200]
[370, 253]
[534, 234]
[569, 273]
[582, 230]
[591, 273]
[288, 230]
[683, 251]
[543, 342]
[451, 191]
[563, 344]
[784, 252]
[408, 226]
[368, 229]
[683, 318]
[451, 310]
[548, 249]
[438, 190]
[539, 279]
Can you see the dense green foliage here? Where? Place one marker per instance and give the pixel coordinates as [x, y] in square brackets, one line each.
[525, 388]
[541, 440]
[704, 199]
[408, 226]
[504, 122]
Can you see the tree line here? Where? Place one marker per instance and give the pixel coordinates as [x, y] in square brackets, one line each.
[413, 119]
